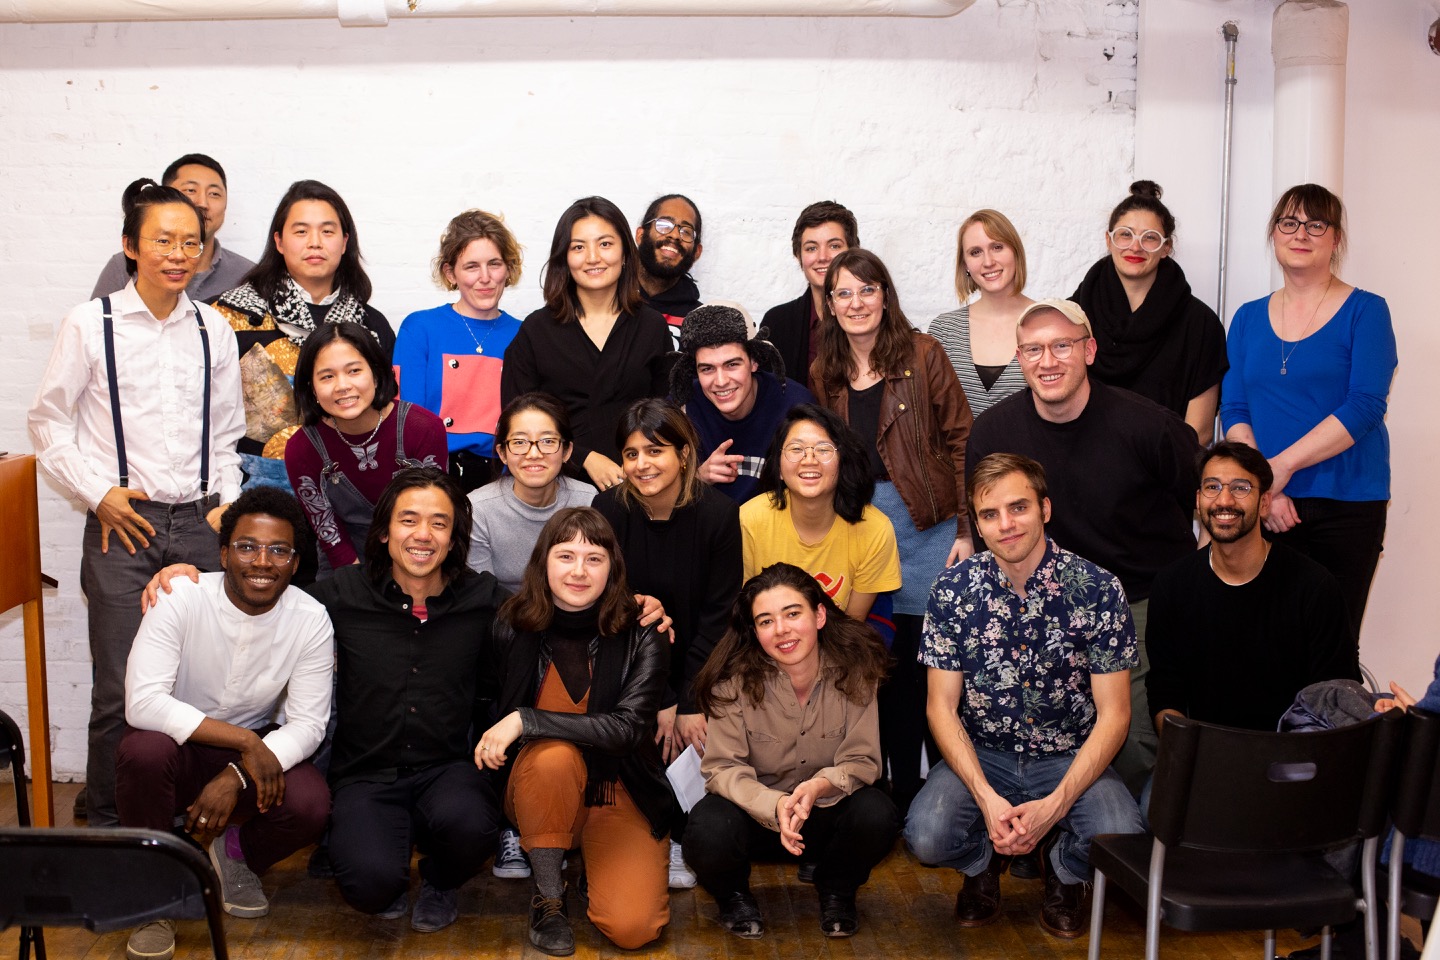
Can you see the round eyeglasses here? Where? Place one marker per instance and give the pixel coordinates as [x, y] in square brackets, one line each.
[191, 248]
[665, 226]
[1239, 489]
[1150, 241]
[795, 452]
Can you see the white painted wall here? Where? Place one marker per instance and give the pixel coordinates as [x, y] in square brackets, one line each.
[1021, 105]
[1392, 137]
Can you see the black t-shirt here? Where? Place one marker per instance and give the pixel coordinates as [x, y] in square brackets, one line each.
[864, 411]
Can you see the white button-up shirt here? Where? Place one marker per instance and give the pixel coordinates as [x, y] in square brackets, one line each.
[159, 368]
[198, 656]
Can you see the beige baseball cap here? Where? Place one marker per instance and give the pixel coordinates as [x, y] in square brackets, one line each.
[1068, 308]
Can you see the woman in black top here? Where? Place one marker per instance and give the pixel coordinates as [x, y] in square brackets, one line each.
[580, 683]
[594, 344]
[1153, 336]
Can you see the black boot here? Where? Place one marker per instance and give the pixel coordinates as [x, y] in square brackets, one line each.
[550, 925]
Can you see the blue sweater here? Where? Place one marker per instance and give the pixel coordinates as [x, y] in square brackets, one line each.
[425, 339]
[1344, 368]
[752, 433]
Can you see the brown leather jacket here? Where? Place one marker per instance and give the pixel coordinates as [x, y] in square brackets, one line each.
[924, 425]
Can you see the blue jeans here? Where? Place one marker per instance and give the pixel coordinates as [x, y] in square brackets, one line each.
[945, 827]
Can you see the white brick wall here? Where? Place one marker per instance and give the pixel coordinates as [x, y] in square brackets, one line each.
[1020, 105]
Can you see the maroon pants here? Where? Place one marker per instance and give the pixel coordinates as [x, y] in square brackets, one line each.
[156, 779]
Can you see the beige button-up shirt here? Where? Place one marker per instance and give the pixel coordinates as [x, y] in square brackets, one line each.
[756, 754]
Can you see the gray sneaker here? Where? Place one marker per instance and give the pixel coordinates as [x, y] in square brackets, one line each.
[240, 889]
[153, 941]
[435, 909]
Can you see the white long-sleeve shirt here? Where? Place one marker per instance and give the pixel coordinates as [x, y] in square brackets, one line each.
[198, 656]
[159, 367]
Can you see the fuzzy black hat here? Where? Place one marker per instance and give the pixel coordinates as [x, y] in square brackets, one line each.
[710, 326]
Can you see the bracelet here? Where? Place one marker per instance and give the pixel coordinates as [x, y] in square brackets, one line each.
[244, 784]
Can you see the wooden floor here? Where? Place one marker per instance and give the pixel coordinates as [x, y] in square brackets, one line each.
[906, 911]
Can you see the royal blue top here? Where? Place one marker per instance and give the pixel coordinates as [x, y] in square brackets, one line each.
[426, 339]
[1344, 369]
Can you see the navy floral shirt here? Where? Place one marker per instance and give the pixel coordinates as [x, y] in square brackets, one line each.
[1027, 662]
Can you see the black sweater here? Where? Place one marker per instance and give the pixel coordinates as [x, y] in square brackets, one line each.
[595, 385]
[692, 564]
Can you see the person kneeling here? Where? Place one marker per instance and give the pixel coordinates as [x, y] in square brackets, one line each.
[580, 686]
[793, 751]
[210, 670]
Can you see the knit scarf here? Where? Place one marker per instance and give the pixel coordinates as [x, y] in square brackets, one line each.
[1128, 341]
[607, 680]
[290, 308]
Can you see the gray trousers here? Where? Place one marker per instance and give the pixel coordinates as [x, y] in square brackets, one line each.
[1136, 759]
[112, 583]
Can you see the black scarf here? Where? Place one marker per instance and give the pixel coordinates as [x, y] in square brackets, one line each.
[1127, 342]
[607, 680]
[290, 308]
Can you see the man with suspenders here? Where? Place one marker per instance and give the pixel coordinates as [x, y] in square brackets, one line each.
[137, 415]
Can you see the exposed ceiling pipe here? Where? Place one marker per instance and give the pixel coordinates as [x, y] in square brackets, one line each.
[1308, 40]
[358, 13]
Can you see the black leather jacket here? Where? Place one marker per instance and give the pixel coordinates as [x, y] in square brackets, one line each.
[627, 731]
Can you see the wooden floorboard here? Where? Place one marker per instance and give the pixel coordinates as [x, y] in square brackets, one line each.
[906, 910]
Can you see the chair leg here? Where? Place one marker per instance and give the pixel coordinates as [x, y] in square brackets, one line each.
[1368, 857]
[1326, 942]
[1269, 945]
[1431, 948]
[1152, 901]
[1097, 915]
[1392, 921]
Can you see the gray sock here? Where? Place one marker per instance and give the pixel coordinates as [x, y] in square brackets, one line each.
[545, 869]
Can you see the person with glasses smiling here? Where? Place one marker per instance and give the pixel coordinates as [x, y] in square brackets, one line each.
[1154, 336]
[1241, 600]
[227, 694]
[1120, 470]
[668, 244]
[149, 365]
[1308, 386]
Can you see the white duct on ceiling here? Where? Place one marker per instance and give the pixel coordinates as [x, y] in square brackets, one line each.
[1308, 41]
[357, 13]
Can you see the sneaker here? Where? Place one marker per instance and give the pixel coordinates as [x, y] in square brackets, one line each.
[240, 889]
[510, 860]
[435, 909]
[397, 909]
[681, 876]
[153, 941]
[550, 925]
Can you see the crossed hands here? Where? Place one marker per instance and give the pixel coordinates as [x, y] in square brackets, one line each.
[793, 810]
[1017, 829]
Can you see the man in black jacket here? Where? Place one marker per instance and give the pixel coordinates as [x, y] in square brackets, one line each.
[668, 243]
[822, 231]
[410, 625]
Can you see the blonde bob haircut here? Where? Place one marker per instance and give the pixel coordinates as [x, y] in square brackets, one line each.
[997, 227]
[464, 230]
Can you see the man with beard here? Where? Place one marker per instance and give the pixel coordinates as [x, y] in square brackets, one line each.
[202, 179]
[669, 243]
[1238, 628]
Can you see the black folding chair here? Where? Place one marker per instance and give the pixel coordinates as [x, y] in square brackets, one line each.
[1417, 814]
[105, 880]
[1241, 821]
[12, 749]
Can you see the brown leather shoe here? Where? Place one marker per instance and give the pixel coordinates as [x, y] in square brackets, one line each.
[1062, 912]
[978, 902]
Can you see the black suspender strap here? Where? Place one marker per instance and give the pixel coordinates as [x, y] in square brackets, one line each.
[114, 380]
[110, 374]
[205, 408]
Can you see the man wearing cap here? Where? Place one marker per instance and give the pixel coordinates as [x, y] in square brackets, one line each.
[1121, 472]
[668, 242]
[202, 179]
[742, 396]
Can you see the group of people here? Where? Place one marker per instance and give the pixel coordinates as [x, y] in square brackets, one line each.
[875, 577]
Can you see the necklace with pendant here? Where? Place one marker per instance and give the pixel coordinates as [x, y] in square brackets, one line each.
[364, 451]
[1284, 300]
[479, 343]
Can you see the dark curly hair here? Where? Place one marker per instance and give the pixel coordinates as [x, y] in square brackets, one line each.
[377, 549]
[856, 484]
[272, 502]
[855, 657]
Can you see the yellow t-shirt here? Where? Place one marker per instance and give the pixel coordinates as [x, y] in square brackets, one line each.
[852, 557]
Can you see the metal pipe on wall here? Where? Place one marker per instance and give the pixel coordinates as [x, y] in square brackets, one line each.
[379, 12]
[1231, 33]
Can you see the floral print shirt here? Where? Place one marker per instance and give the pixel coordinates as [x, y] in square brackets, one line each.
[1027, 661]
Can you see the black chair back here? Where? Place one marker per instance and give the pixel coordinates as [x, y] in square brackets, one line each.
[1417, 796]
[1219, 788]
[105, 880]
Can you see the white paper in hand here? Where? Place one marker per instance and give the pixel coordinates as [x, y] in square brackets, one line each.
[686, 779]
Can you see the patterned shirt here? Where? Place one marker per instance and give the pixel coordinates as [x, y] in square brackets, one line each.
[1027, 661]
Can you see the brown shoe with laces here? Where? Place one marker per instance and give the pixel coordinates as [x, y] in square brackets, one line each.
[978, 902]
[550, 925]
